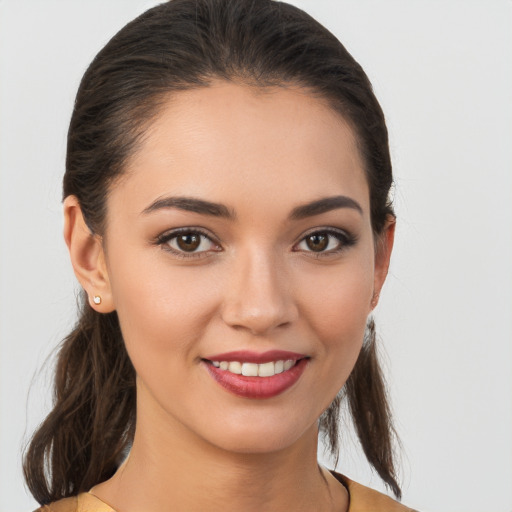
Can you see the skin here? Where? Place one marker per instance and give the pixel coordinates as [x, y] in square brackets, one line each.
[256, 286]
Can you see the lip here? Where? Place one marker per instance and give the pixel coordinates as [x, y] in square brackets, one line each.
[257, 387]
[248, 356]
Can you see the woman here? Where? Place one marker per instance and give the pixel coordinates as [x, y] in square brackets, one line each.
[227, 215]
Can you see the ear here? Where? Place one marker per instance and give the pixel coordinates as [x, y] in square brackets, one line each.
[383, 248]
[87, 257]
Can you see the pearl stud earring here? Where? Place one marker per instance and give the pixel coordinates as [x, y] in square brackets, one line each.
[97, 299]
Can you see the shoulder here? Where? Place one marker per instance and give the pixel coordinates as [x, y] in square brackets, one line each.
[64, 505]
[363, 498]
[84, 502]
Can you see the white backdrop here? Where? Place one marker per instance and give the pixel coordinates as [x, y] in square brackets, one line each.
[443, 73]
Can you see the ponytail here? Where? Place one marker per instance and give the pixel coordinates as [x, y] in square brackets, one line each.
[365, 392]
[83, 439]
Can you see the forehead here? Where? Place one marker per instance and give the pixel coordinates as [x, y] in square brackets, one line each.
[228, 140]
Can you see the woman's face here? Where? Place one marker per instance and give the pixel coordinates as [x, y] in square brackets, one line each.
[240, 239]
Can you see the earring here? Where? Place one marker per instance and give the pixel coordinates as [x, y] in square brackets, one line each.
[97, 299]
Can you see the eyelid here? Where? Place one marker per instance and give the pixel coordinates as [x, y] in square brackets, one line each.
[345, 238]
[163, 239]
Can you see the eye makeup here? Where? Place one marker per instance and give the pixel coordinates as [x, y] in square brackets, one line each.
[195, 242]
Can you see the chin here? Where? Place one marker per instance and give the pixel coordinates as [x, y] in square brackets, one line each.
[262, 437]
[255, 444]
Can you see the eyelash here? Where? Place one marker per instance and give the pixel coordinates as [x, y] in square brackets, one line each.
[344, 240]
[165, 238]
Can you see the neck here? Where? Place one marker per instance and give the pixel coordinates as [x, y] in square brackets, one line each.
[172, 469]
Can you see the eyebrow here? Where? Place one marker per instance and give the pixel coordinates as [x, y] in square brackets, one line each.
[191, 204]
[324, 205]
[203, 207]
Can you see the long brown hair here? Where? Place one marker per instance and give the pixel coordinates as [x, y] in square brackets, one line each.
[179, 45]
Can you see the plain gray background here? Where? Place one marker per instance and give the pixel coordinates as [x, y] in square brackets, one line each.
[442, 71]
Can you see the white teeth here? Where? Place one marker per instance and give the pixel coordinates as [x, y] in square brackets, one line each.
[235, 367]
[266, 369]
[253, 369]
[250, 369]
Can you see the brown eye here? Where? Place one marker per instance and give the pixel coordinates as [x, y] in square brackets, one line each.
[188, 242]
[325, 243]
[317, 242]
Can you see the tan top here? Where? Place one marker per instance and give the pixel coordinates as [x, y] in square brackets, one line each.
[362, 499]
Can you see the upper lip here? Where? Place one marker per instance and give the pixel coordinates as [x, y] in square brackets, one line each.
[248, 356]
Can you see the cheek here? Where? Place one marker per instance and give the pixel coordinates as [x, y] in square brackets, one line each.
[339, 304]
[161, 308]
[337, 313]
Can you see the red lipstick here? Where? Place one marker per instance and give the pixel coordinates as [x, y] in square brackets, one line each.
[257, 387]
[247, 356]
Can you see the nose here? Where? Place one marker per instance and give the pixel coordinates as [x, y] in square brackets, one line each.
[258, 295]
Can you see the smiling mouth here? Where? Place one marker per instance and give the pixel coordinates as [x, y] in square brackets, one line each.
[257, 380]
[247, 369]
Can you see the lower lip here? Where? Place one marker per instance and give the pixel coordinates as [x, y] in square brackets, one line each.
[257, 387]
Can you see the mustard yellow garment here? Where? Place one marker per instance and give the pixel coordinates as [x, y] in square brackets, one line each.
[362, 499]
